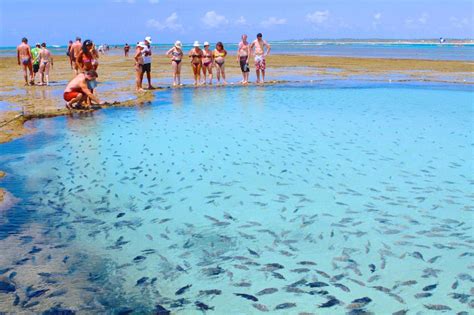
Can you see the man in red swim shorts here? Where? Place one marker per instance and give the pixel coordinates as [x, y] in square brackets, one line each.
[78, 91]
[258, 49]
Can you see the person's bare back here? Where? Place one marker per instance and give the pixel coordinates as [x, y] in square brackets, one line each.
[45, 55]
[74, 52]
[24, 53]
[24, 58]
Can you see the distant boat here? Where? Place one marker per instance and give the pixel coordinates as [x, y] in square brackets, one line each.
[56, 46]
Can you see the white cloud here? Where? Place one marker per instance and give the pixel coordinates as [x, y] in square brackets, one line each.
[423, 18]
[271, 21]
[415, 22]
[241, 21]
[213, 20]
[460, 23]
[317, 17]
[171, 23]
[376, 21]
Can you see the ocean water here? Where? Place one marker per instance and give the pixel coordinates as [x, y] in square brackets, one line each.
[370, 49]
[325, 200]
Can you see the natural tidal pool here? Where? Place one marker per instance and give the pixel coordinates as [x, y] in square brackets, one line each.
[286, 199]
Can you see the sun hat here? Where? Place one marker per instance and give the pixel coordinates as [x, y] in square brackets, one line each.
[206, 44]
[141, 44]
[196, 44]
[178, 44]
[148, 39]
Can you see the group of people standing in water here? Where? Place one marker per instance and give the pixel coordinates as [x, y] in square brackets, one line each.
[83, 59]
[204, 60]
[38, 59]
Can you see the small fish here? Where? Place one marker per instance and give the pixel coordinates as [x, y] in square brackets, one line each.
[247, 296]
[260, 307]
[417, 255]
[139, 259]
[330, 303]
[203, 307]
[372, 268]
[210, 292]
[317, 284]
[430, 287]
[437, 307]
[423, 295]
[284, 306]
[400, 312]
[252, 252]
[342, 287]
[267, 291]
[278, 275]
[141, 281]
[435, 258]
[183, 289]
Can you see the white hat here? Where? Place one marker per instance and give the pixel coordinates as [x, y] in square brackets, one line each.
[178, 44]
[206, 44]
[196, 44]
[141, 44]
[148, 39]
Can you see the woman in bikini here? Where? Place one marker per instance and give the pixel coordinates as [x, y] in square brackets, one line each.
[207, 61]
[46, 62]
[139, 66]
[219, 59]
[195, 55]
[176, 54]
[87, 58]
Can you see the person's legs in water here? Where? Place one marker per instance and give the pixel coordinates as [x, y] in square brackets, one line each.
[36, 67]
[44, 70]
[198, 79]
[30, 68]
[197, 73]
[204, 73]
[174, 66]
[24, 64]
[210, 73]
[222, 69]
[178, 73]
[147, 69]
[138, 78]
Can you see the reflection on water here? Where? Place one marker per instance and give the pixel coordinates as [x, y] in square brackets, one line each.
[246, 200]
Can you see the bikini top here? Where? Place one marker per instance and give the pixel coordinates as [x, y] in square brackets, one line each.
[219, 54]
[86, 58]
[176, 53]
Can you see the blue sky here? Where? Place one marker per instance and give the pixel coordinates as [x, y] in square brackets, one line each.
[119, 21]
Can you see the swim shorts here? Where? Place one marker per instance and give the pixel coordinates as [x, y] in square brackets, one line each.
[244, 66]
[68, 96]
[259, 63]
[36, 67]
[146, 67]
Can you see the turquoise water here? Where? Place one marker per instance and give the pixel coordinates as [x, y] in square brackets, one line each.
[371, 49]
[319, 195]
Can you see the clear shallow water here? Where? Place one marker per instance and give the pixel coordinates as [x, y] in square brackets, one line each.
[414, 50]
[354, 191]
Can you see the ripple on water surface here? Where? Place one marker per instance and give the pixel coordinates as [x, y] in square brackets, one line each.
[288, 199]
